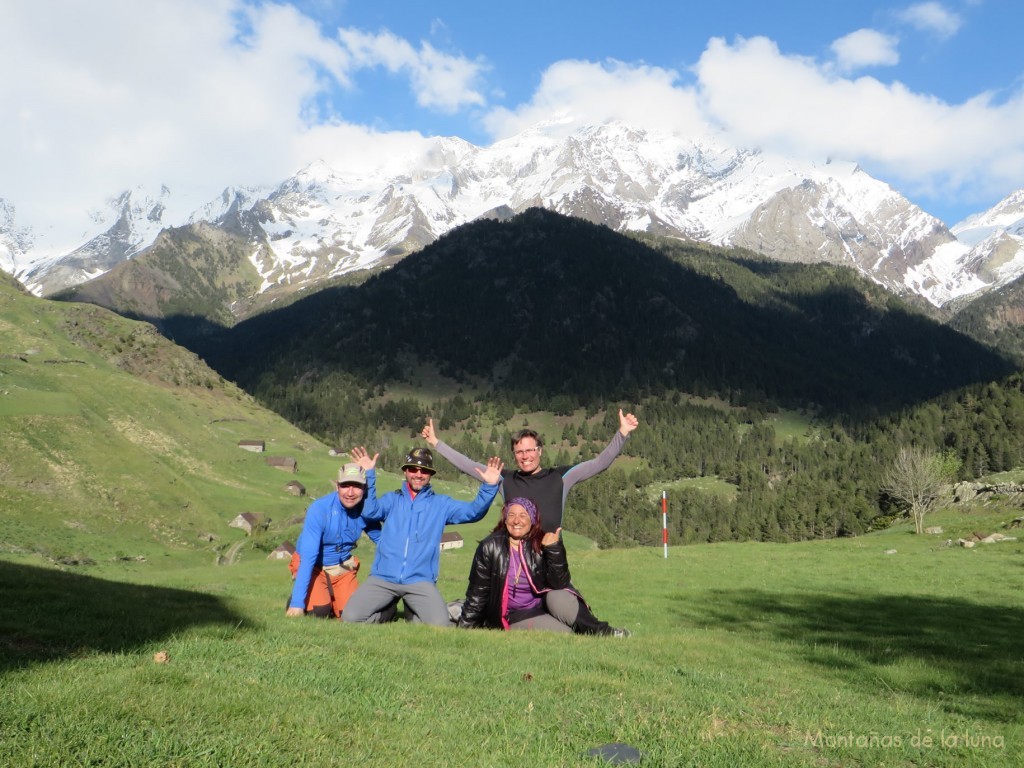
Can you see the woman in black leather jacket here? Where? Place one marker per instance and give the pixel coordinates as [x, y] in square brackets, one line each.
[520, 580]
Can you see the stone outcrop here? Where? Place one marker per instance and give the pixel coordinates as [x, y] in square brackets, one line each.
[1011, 493]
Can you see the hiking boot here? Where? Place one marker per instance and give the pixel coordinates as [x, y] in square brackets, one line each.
[620, 632]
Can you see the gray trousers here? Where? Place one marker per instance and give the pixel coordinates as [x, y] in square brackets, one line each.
[375, 595]
[562, 609]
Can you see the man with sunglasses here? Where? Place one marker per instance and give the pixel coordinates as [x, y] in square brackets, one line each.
[408, 553]
[546, 488]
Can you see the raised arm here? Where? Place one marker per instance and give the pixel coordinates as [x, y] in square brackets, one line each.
[471, 511]
[362, 457]
[373, 526]
[492, 475]
[587, 469]
[373, 530]
[457, 460]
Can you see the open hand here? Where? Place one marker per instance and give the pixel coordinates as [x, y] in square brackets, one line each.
[362, 458]
[493, 472]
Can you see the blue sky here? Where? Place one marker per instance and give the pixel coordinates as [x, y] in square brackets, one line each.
[200, 94]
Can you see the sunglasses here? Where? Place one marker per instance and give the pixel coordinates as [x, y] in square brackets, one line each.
[418, 471]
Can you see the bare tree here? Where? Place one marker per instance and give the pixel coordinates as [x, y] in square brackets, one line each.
[917, 478]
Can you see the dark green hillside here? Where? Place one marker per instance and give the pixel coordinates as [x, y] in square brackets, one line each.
[996, 319]
[9, 281]
[788, 387]
[550, 310]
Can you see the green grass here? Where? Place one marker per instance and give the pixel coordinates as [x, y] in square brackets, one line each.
[791, 424]
[1011, 476]
[820, 653]
[117, 443]
[788, 425]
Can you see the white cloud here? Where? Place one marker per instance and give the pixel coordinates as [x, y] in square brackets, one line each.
[575, 93]
[357, 150]
[932, 17]
[865, 48]
[124, 94]
[194, 94]
[796, 106]
[439, 81]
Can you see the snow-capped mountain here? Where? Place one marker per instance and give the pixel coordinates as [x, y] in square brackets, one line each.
[988, 253]
[124, 226]
[324, 222]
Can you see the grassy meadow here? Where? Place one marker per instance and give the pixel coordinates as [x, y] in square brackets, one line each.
[827, 653]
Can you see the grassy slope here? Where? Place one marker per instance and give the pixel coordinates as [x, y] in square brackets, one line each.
[116, 442]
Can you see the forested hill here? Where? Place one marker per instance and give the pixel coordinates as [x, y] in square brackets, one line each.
[997, 318]
[555, 312]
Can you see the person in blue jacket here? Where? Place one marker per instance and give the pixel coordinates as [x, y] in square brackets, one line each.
[324, 566]
[408, 553]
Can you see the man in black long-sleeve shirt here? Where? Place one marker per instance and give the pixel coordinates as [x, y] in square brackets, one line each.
[546, 488]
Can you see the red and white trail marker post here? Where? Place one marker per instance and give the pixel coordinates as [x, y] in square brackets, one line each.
[664, 522]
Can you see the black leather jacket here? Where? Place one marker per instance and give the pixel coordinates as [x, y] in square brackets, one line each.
[485, 595]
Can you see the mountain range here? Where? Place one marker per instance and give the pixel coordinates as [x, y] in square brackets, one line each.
[324, 223]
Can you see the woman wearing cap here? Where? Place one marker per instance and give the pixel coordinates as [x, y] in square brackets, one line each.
[520, 578]
[323, 566]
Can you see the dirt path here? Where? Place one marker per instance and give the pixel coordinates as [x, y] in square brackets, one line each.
[230, 557]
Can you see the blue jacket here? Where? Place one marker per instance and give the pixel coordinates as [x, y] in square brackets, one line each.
[409, 549]
[328, 537]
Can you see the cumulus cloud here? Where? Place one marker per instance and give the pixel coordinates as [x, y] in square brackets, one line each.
[575, 93]
[440, 81]
[763, 98]
[932, 17]
[865, 48]
[128, 94]
[755, 96]
[192, 94]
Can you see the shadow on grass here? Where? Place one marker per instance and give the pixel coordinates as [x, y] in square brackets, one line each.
[49, 615]
[964, 647]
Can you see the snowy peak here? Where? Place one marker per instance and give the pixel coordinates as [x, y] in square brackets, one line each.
[323, 222]
[993, 245]
[127, 224]
[1005, 216]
